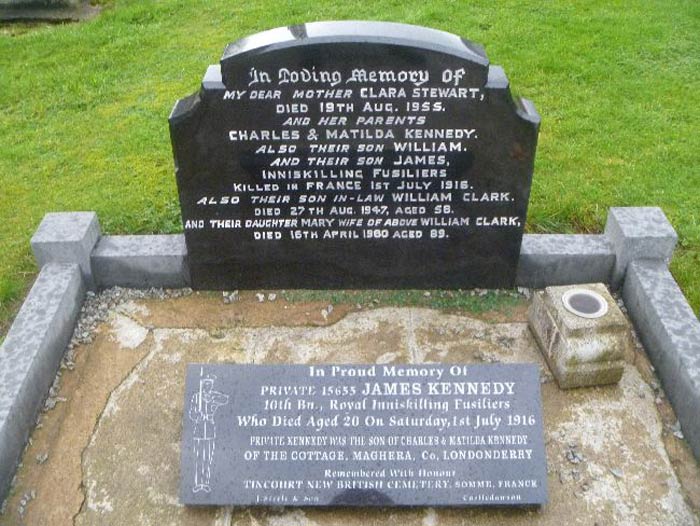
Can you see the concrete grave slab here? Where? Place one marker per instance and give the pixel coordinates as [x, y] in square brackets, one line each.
[114, 443]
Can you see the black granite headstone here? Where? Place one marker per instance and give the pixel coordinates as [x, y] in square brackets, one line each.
[363, 435]
[353, 155]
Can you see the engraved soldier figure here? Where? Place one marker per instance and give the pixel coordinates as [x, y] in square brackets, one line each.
[203, 405]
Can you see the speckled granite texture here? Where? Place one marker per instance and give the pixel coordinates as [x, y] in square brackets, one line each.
[67, 237]
[160, 261]
[70, 251]
[670, 332]
[552, 259]
[638, 232]
[30, 355]
[141, 261]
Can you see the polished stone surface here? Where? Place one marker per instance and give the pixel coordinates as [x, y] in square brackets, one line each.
[353, 155]
[363, 435]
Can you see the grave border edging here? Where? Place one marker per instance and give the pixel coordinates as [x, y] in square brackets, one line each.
[30, 357]
[634, 253]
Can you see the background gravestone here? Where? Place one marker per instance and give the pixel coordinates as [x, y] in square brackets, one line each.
[40, 3]
[52, 10]
[353, 154]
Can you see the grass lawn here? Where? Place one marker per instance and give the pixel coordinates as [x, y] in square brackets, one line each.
[84, 107]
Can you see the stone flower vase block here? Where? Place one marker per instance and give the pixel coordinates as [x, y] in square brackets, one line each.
[584, 337]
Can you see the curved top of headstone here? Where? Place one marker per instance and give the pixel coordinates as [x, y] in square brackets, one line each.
[352, 31]
[353, 155]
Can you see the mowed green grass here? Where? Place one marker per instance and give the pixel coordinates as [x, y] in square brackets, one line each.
[84, 107]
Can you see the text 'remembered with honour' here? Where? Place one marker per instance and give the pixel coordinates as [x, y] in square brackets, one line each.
[363, 435]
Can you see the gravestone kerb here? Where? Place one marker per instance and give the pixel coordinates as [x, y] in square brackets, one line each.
[547, 259]
[670, 332]
[137, 261]
[68, 238]
[30, 356]
[638, 233]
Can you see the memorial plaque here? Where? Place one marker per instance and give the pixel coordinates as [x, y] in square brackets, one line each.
[363, 435]
[353, 155]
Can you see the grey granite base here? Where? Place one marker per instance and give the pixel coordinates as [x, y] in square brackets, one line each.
[30, 356]
[634, 250]
[141, 262]
[670, 332]
[67, 238]
[552, 259]
[638, 233]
